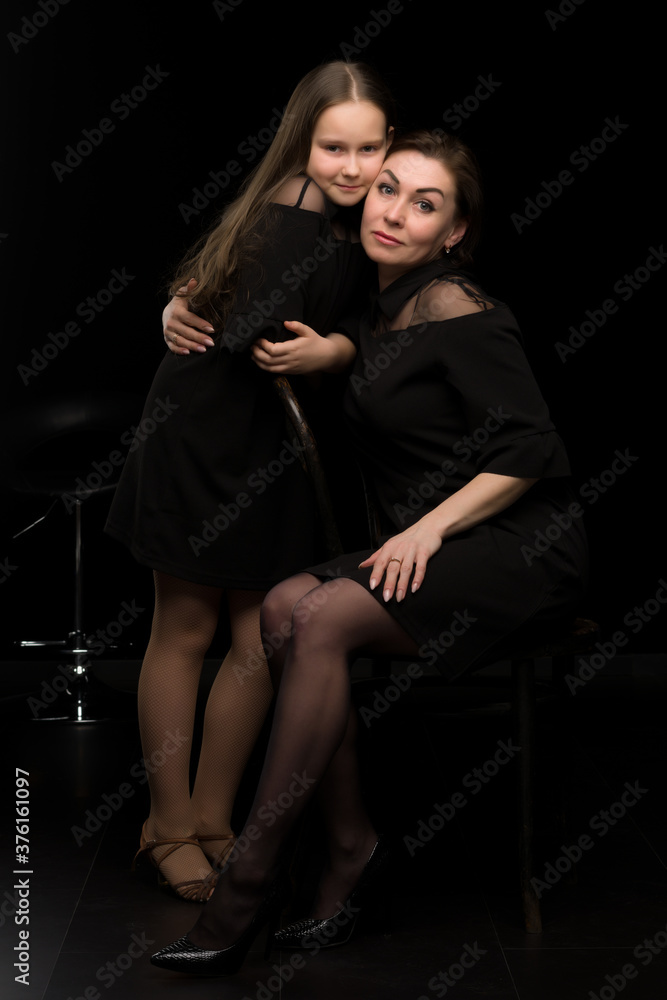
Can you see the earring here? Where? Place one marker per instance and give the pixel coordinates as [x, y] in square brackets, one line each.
[448, 249]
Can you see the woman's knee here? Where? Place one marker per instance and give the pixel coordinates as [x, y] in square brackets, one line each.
[278, 605]
[276, 608]
[320, 618]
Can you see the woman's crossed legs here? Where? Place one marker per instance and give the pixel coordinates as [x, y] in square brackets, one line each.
[311, 746]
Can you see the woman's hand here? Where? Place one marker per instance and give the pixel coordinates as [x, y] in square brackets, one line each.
[483, 497]
[183, 330]
[401, 557]
[307, 353]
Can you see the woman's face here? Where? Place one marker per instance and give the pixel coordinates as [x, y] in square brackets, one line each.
[410, 214]
[348, 147]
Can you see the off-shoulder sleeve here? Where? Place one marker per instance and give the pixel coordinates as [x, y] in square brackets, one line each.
[274, 288]
[506, 415]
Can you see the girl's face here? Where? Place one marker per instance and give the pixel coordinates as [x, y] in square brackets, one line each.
[410, 214]
[348, 147]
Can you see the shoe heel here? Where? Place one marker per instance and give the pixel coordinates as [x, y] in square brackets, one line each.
[369, 903]
[376, 905]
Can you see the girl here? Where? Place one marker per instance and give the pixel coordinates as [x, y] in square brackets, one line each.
[214, 500]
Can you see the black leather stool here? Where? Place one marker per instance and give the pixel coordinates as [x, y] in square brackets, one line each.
[54, 450]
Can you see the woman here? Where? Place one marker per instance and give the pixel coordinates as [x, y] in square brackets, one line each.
[466, 467]
[214, 499]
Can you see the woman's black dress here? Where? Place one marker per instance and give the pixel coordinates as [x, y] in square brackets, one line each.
[212, 490]
[443, 394]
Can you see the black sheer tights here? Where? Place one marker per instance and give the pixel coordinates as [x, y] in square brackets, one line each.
[311, 746]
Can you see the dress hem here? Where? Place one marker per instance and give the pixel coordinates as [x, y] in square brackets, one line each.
[494, 648]
[203, 579]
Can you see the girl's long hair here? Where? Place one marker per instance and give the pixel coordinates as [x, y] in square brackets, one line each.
[217, 259]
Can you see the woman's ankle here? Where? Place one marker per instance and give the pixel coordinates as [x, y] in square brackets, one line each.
[347, 860]
[352, 845]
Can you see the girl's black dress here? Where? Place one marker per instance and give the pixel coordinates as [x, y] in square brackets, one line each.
[441, 391]
[212, 490]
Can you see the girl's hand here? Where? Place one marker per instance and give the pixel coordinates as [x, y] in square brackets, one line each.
[401, 557]
[183, 330]
[307, 353]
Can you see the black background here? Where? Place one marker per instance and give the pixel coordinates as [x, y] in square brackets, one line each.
[557, 78]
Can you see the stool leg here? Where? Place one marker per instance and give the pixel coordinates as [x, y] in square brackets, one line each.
[80, 685]
[523, 678]
[78, 572]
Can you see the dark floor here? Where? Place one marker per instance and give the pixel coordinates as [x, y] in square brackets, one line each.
[457, 924]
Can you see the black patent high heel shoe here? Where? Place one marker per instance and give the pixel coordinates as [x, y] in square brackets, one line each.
[339, 928]
[183, 956]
